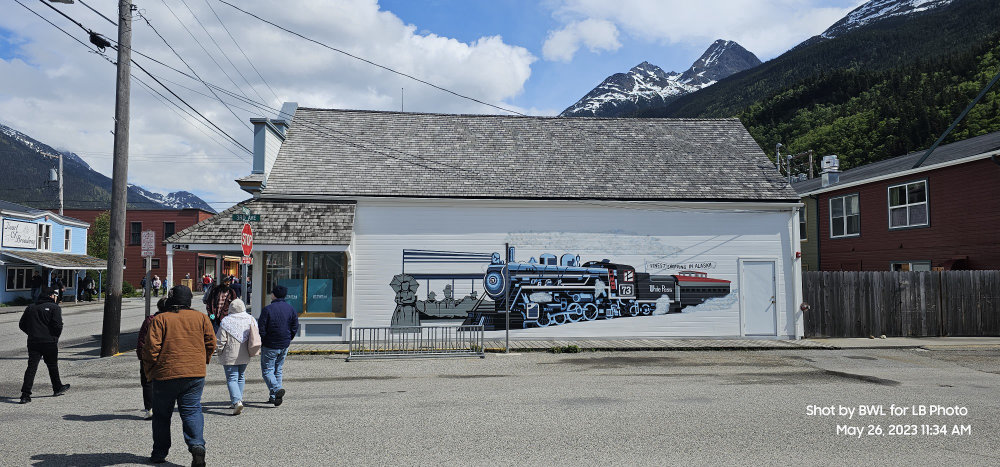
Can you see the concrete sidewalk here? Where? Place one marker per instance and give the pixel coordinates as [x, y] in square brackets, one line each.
[673, 344]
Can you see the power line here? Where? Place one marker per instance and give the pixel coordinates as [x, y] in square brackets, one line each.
[224, 54]
[98, 13]
[242, 52]
[400, 73]
[192, 70]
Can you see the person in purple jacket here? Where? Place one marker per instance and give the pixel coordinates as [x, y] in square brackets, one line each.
[278, 325]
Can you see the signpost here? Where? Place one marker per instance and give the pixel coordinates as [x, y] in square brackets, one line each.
[148, 251]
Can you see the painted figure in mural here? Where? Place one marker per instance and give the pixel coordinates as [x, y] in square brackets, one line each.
[43, 324]
[406, 313]
[179, 345]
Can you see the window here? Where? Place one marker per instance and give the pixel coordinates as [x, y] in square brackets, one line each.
[845, 216]
[168, 229]
[67, 234]
[802, 223]
[155, 263]
[68, 277]
[19, 278]
[135, 233]
[44, 237]
[910, 265]
[908, 205]
[316, 281]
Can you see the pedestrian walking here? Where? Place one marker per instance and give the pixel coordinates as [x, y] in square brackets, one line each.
[278, 324]
[156, 285]
[90, 288]
[236, 286]
[57, 282]
[206, 288]
[218, 301]
[179, 345]
[142, 286]
[43, 324]
[36, 286]
[147, 386]
[165, 285]
[237, 340]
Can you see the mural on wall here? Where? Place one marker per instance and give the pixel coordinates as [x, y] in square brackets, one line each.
[553, 291]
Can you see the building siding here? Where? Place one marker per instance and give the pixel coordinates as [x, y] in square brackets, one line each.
[964, 213]
[623, 234]
[185, 262]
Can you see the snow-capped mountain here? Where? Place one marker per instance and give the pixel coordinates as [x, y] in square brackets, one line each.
[647, 85]
[175, 200]
[877, 10]
[25, 173]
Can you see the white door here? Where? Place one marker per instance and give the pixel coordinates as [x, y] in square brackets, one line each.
[757, 291]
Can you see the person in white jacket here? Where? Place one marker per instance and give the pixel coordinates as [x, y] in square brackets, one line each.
[238, 340]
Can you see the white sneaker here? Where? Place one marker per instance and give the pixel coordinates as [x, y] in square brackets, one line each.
[147, 414]
[238, 408]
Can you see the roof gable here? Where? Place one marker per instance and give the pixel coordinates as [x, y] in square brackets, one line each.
[340, 153]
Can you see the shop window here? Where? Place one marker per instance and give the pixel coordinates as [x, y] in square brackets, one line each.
[19, 278]
[44, 237]
[316, 281]
[68, 277]
[135, 233]
[845, 216]
[908, 205]
[168, 229]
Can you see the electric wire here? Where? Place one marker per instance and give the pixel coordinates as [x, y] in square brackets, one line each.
[224, 54]
[98, 13]
[203, 49]
[190, 68]
[241, 51]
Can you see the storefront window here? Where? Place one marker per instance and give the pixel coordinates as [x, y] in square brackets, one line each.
[316, 282]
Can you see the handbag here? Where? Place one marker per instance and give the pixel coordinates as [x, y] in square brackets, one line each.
[253, 342]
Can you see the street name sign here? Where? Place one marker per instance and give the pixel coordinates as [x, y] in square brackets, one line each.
[246, 217]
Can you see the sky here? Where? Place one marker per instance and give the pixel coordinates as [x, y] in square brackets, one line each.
[532, 57]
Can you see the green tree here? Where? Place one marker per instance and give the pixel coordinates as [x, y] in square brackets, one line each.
[98, 237]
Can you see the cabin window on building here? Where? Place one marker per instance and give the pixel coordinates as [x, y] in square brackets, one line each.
[168, 229]
[67, 236]
[135, 233]
[802, 223]
[19, 278]
[44, 237]
[845, 216]
[908, 205]
[155, 263]
[910, 266]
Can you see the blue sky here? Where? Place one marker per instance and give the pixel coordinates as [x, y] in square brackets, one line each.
[536, 57]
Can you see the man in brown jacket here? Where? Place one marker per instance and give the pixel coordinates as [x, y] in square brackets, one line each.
[178, 346]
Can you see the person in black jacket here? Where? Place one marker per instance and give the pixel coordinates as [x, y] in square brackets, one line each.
[43, 324]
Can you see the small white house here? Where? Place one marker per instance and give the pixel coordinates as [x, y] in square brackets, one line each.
[576, 227]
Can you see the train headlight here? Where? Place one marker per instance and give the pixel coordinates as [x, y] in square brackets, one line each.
[494, 283]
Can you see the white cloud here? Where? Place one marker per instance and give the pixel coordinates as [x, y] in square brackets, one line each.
[58, 93]
[596, 34]
[765, 27]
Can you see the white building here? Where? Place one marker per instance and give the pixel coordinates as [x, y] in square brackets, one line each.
[387, 218]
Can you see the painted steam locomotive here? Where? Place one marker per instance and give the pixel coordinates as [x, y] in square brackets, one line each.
[556, 291]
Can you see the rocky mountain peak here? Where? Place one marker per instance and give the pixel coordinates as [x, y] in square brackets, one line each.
[877, 10]
[647, 85]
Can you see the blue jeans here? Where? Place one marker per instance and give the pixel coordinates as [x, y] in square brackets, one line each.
[186, 393]
[235, 380]
[271, 363]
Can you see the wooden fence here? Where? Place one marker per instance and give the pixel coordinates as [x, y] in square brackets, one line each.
[872, 303]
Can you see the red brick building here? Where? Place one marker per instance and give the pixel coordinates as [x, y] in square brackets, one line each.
[164, 222]
[890, 215]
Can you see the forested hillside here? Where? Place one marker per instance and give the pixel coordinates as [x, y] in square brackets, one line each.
[876, 92]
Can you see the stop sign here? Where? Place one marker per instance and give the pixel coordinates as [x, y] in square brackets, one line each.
[246, 240]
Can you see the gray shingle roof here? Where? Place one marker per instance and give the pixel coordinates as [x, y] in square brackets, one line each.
[365, 153]
[57, 260]
[281, 223]
[947, 153]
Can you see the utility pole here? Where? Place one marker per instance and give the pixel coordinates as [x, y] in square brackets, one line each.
[119, 187]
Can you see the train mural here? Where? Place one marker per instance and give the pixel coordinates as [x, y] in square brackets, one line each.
[556, 290]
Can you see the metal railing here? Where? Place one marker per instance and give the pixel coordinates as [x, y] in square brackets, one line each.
[417, 341]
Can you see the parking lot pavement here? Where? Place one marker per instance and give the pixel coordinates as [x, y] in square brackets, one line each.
[594, 408]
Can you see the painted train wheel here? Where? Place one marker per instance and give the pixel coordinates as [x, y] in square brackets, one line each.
[633, 310]
[559, 318]
[647, 310]
[590, 312]
[543, 320]
[574, 312]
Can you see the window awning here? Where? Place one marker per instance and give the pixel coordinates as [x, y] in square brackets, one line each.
[56, 260]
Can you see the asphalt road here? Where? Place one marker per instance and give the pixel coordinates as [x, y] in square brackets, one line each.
[626, 408]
